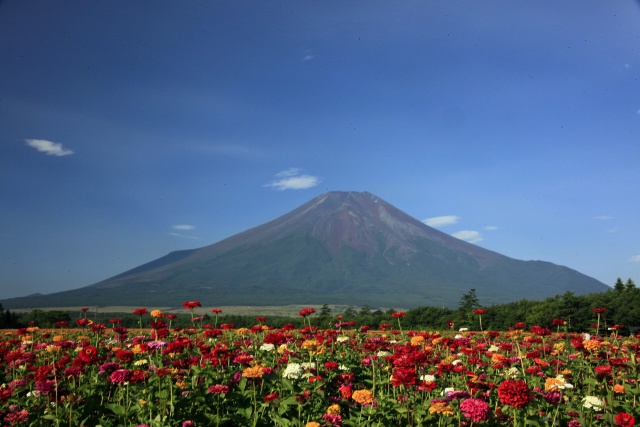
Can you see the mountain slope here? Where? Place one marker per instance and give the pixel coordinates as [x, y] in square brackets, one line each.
[341, 247]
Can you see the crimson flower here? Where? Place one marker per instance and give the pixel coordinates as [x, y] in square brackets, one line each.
[558, 322]
[306, 311]
[84, 310]
[514, 393]
[398, 314]
[190, 305]
[140, 311]
[599, 310]
[479, 311]
[625, 420]
[216, 311]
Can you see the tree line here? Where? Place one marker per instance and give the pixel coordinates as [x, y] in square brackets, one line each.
[617, 308]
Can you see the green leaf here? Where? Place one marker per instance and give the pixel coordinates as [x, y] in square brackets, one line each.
[115, 408]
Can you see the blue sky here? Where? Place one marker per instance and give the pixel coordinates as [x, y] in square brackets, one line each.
[132, 129]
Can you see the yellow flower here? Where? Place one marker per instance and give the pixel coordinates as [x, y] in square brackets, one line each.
[312, 424]
[363, 397]
[137, 349]
[334, 409]
[553, 383]
[243, 331]
[57, 338]
[441, 408]
[157, 314]
[32, 329]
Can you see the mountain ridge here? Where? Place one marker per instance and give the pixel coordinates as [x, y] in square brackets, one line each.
[338, 247]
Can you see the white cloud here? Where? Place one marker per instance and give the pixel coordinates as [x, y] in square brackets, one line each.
[293, 179]
[635, 258]
[183, 227]
[184, 236]
[470, 236]
[48, 147]
[490, 227]
[441, 221]
[308, 56]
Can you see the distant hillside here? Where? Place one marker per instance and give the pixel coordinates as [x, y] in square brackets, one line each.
[339, 248]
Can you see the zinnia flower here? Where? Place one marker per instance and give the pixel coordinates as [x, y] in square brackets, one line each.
[440, 406]
[363, 397]
[625, 420]
[253, 372]
[475, 409]
[120, 376]
[592, 402]
[515, 393]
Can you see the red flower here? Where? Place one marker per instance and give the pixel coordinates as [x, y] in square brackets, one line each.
[558, 322]
[520, 325]
[84, 310]
[398, 314]
[403, 376]
[306, 311]
[216, 311]
[190, 305]
[625, 420]
[345, 392]
[271, 397]
[603, 371]
[599, 310]
[83, 322]
[514, 393]
[479, 311]
[140, 311]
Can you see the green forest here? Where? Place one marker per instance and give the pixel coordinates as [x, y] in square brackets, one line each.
[616, 309]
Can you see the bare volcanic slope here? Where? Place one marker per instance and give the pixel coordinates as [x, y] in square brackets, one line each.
[339, 248]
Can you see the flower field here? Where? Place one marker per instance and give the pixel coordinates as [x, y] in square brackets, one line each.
[217, 375]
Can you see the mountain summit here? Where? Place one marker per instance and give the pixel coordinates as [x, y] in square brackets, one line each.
[339, 248]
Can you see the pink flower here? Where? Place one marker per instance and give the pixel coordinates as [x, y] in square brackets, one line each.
[475, 409]
[120, 376]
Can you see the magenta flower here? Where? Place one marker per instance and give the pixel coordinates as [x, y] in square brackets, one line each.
[475, 409]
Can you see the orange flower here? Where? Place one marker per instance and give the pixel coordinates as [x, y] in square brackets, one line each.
[619, 389]
[553, 383]
[441, 408]
[256, 371]
[157, 314]
[363, 397]
[417, 340]
[591, 345]
[312, 424]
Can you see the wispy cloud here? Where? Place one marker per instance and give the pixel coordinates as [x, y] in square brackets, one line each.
[308, 56]
[470, 236]
[490, 227]
[635, 258]
[441, 221]
[184, 236]
[183, 227]
[293, 179]
[49, 147]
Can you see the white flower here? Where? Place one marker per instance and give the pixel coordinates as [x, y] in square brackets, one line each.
[293, 371]
[267, 347]
[456, 362]
[463, 329]
[458, 336]
[342, 339]
[343, 368]
[309, 365]
[493, 348]
[592, 402]
[428, 378]
[383, 353]
[512, 373]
